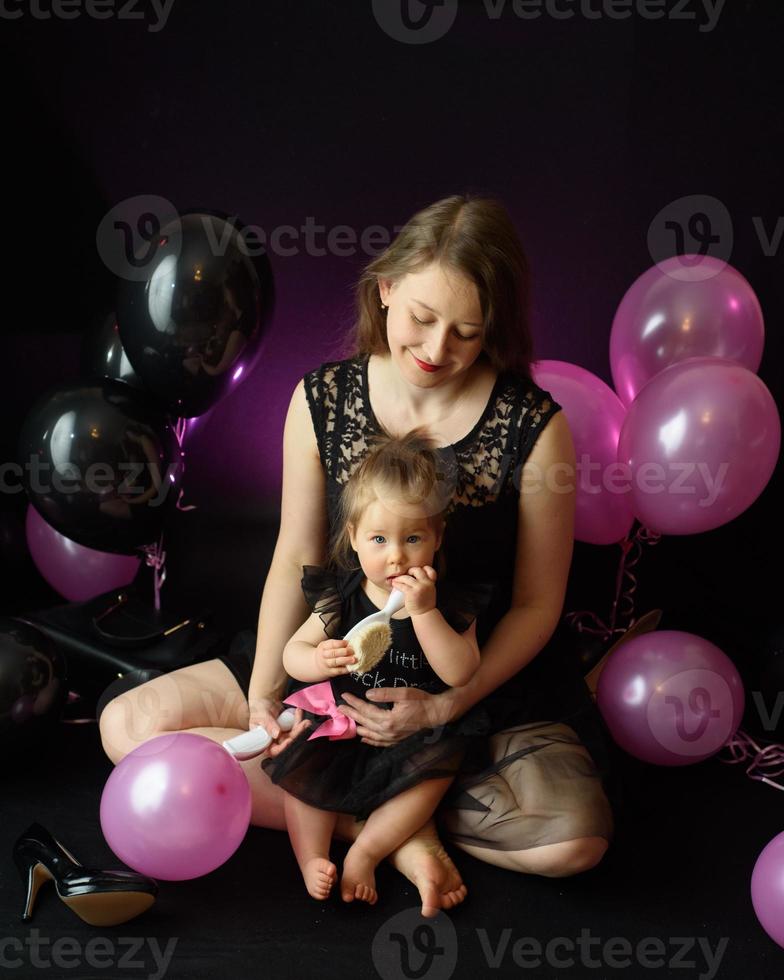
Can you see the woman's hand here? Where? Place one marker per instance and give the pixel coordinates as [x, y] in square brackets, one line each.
[264, 713]
[413, 709]
[333, 657]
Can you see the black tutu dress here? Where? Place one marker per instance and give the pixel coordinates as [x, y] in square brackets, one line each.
[335, 769]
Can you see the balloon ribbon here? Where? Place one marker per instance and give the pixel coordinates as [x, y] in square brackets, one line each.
[623, 602]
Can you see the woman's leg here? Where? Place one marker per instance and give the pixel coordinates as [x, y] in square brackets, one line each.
[310, 832]
[204, 699]
[544, 810]
[385, 830]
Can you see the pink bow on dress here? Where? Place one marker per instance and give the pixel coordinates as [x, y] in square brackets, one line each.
[318, 699]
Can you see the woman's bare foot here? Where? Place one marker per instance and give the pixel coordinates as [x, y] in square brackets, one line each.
[320, 875]
[359, 880]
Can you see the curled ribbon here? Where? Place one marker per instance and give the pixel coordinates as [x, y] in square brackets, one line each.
[623, 603]
[180, 428]
[155, 558]
[319, 700]
[766, 761]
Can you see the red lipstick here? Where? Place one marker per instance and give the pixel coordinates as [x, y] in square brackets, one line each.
[430, 368]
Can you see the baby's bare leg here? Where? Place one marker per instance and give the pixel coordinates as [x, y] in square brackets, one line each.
[310, 831]
[384, 831]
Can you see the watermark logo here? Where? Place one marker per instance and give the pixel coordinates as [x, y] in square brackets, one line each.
[690, 713]
[129, 236]
[415, 948]
[415, 21]
[693, 227]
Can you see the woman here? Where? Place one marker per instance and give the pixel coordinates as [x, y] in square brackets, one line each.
[442, 341]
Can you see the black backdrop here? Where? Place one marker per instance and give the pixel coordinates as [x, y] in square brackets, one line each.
[281, 113]
[586, 127]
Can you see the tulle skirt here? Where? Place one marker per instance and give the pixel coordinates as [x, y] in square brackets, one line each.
[349, 776]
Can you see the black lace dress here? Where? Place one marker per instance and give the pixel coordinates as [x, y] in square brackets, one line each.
[343, 773]
[479, 545]
[480, 540]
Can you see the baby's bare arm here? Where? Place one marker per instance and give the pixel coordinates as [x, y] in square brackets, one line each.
[453, 656]
[309, 657]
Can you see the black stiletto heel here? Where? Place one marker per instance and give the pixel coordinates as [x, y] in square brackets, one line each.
[100, 898]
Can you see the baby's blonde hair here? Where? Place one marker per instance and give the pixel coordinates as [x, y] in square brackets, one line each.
[405, 469]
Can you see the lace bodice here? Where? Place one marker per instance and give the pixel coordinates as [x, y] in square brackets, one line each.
[483, 467]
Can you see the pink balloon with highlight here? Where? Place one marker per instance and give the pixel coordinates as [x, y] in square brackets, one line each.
[686, 306]
[78, 573]
[176, 807]
[767, 888]
[603, 510]
[701, 441]
[670, 698]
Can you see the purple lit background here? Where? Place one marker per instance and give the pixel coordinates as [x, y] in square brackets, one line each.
[277, 113]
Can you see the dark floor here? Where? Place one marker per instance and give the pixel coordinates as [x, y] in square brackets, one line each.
[678, 873]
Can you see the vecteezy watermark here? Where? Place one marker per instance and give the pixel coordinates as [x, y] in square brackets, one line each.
[424, 21]
[685, 716]
[152, 710]
[409, 946]
[104, 480]
[770, 716]
[699, 225]
[129, 234]
[617, 952]
[676, 478]
[94, 9]
[692, 227]
[99, 952]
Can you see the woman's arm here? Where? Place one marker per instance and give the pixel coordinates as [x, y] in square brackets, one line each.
[453, 656]
[543, 557]
[545, 541]
[301, 541]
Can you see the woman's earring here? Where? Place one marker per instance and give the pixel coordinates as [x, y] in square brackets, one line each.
[383, 307]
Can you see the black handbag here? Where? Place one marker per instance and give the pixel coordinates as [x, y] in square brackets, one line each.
[120, 631]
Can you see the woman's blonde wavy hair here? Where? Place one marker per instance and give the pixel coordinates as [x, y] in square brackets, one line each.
[474, 237]
[404, 470]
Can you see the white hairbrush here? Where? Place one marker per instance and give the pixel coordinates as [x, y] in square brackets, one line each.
[254, 742]
[371, 637]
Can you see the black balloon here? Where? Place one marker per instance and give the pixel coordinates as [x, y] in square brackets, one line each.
[100, 465]
[103, 355]
[193, 327]
[33, 689]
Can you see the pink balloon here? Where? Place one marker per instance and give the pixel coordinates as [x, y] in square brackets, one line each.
[603, 511]
[686, 306]
[767, 889]
[701, 441]
[76, 572]
[670, 698]
[176, 808]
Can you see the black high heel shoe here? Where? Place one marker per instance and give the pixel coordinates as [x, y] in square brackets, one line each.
[100, 898]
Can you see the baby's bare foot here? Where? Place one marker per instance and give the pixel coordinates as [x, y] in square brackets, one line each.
[423, 860]
[358, 881]
[320, 875]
